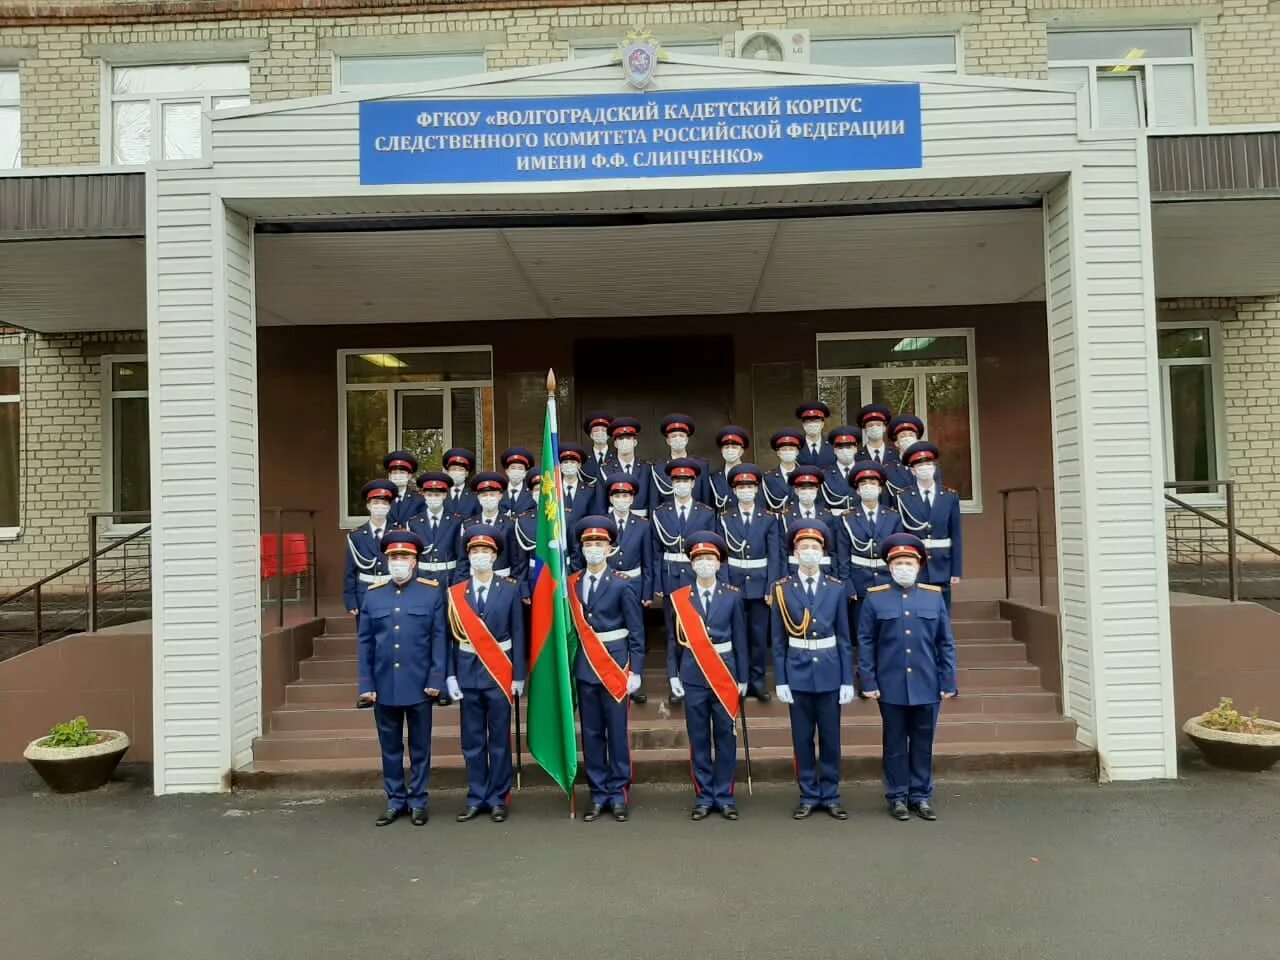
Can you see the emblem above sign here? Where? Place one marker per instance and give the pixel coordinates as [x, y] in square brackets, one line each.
[639, 59]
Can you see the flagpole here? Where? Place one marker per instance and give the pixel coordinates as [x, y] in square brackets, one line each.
[557, 490]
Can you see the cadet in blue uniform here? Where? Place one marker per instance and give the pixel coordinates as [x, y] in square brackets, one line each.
[677, 429]
[439, 530]
[625, 432]
[486, 671]
[905, 430]
[401, 639]
[606, 667]
[672, 522]
[777, 487]
[581, 493]
[754, 562]
[524, 528]
[874, 420]
[365, 565]
[907, 663]
[707, 668]
[733, 442]
[837, 485]
[400, 466]
[596, 426]
[459, 464]
[632, 555]
[806, 486]
[516, 498]
[813, 666]
[815, 452]
[932, 512]
[488, 486]
[862, 529]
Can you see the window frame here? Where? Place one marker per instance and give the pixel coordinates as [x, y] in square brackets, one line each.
[10, 534]
[599, 46]
[970, 368]
[115, 528]
[1218, 497]
[14, 103]
[109, 98]
[345, 520]
[1197, 60]
[957, 67]
[335, 68]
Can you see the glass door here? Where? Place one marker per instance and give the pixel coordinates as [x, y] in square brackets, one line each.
[421, 426]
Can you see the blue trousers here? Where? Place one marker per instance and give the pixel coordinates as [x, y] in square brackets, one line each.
[606, 743]
[756, 613]
[392, 723]
[486, 746]
[713, 747]
[817, 772]
[908, 750]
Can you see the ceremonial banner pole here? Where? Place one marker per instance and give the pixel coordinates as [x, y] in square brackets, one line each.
[519, 747]
[746, 741]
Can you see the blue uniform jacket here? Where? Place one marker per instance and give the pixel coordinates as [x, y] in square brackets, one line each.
[585, 502]
[836, 493]
[633, 552]
[405, 508]
[725, 625]
[613, 607]
[668, 541]
[786, 562]
[905, 646]
[516, 505]
[754, 558]
[524, 530]
[901, 477]
[401, 639]
[825, 457]
[893, 467]
[822, 670]
[363, 557]
[592, 468]
[858, 561]
[466, 505]
[660, 484]
[640, 471]
[511, 561]
[935, 527]
[439, 560]
[776, 491]
[504, 616]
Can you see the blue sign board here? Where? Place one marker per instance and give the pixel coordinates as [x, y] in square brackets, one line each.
[694, 133]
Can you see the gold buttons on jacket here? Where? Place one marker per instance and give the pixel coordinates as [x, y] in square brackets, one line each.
[906, 613]
[908, 669]
[908, 633]
[397, 647]
[398, 667]
[908, 649]
[396, 627]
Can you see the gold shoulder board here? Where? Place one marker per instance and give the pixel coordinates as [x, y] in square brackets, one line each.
[511, 580]
[428, 582]
[927, 586]
[835, 580]
[730, 586]
[375, 586]
[878, 588]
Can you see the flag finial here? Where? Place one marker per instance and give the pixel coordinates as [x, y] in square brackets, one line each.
[551, 381]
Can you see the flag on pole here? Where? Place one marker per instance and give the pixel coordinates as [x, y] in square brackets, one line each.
[551, 736]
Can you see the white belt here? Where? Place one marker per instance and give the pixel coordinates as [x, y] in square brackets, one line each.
[748, 564]
[825, 562]
[374, 577]
[723, 648]
[504, 572]
[465, 647]
[613, 636]
[675, 557]
[633, 572]
[937, 544]
[871, 563]
[437, 566]
[812, 643]
[640, 513]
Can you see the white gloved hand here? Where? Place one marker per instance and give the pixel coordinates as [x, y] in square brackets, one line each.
[846, 694]
[455, 691]
[517, 687]
[677, 688]
[742, 689]
[633, 682]
[783, 692]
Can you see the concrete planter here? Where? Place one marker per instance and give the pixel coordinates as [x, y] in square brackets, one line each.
[1236, 751]
[74, 769]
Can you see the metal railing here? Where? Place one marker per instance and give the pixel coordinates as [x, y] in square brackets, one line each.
[1025, 552]
[1198, 550]
[286, 562]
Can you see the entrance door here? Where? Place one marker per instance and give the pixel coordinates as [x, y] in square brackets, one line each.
[650, 377]
[421, 425]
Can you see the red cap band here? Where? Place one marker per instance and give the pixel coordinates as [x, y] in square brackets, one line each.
[402, 464]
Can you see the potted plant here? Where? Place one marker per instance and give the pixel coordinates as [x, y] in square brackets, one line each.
[1228, 738]
[73, 757]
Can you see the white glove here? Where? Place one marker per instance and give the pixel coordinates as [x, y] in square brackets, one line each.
[677, 688]
[517, 687]
[742, 689]
[633, 682]
[783, 692]
[455, 691]
[846, 694]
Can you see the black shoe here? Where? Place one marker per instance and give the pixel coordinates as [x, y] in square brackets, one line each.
[499, 815]
[467, 815]
[419, 816]
[699, 813]
[924, 810]
[898, 810]
[837, 811]
[674, 700]
[390, 815]
[443, 700]
[593, 813]
[639, 698]
[621, 813]
[803, 811]
[729, 813]
[762, 696]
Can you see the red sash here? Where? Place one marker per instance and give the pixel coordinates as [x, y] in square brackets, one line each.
[694, 630]
[606, 668]
[463, 617]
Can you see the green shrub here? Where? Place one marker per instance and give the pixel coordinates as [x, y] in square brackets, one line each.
[74, 733]
[1226, 717]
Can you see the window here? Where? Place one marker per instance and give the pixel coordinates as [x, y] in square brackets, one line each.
[420, 399]
[699, 48]
[10, 446]
[927, 373]
[157, 112]
[126, 433]
[1134, 78]
[355, 72]
[929, 54]
[1190, 378]
[10, 141]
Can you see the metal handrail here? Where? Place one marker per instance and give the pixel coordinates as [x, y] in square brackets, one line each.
[1229, 525]
[1004, 542]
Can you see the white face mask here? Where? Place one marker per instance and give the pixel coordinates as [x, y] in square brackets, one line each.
[435, 501]
[924, 472]
[621, 502]
[904, 574]
[379, 511]
[868, 492]
[678, 442]
[625, 445]
[788, 455]
[732, 453]
[400, 569]
[809, 557]
[599, 436]
[807, 496]
[845, 456]
[569, 469]
[481, 561]
[594, 555]
[458, 475]
[682, 488]
[516, 475]
[705, 568]
[905, 440]
[489, 501]
[400, 478]
[875, 431]
[746, 493]
[813, 428]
